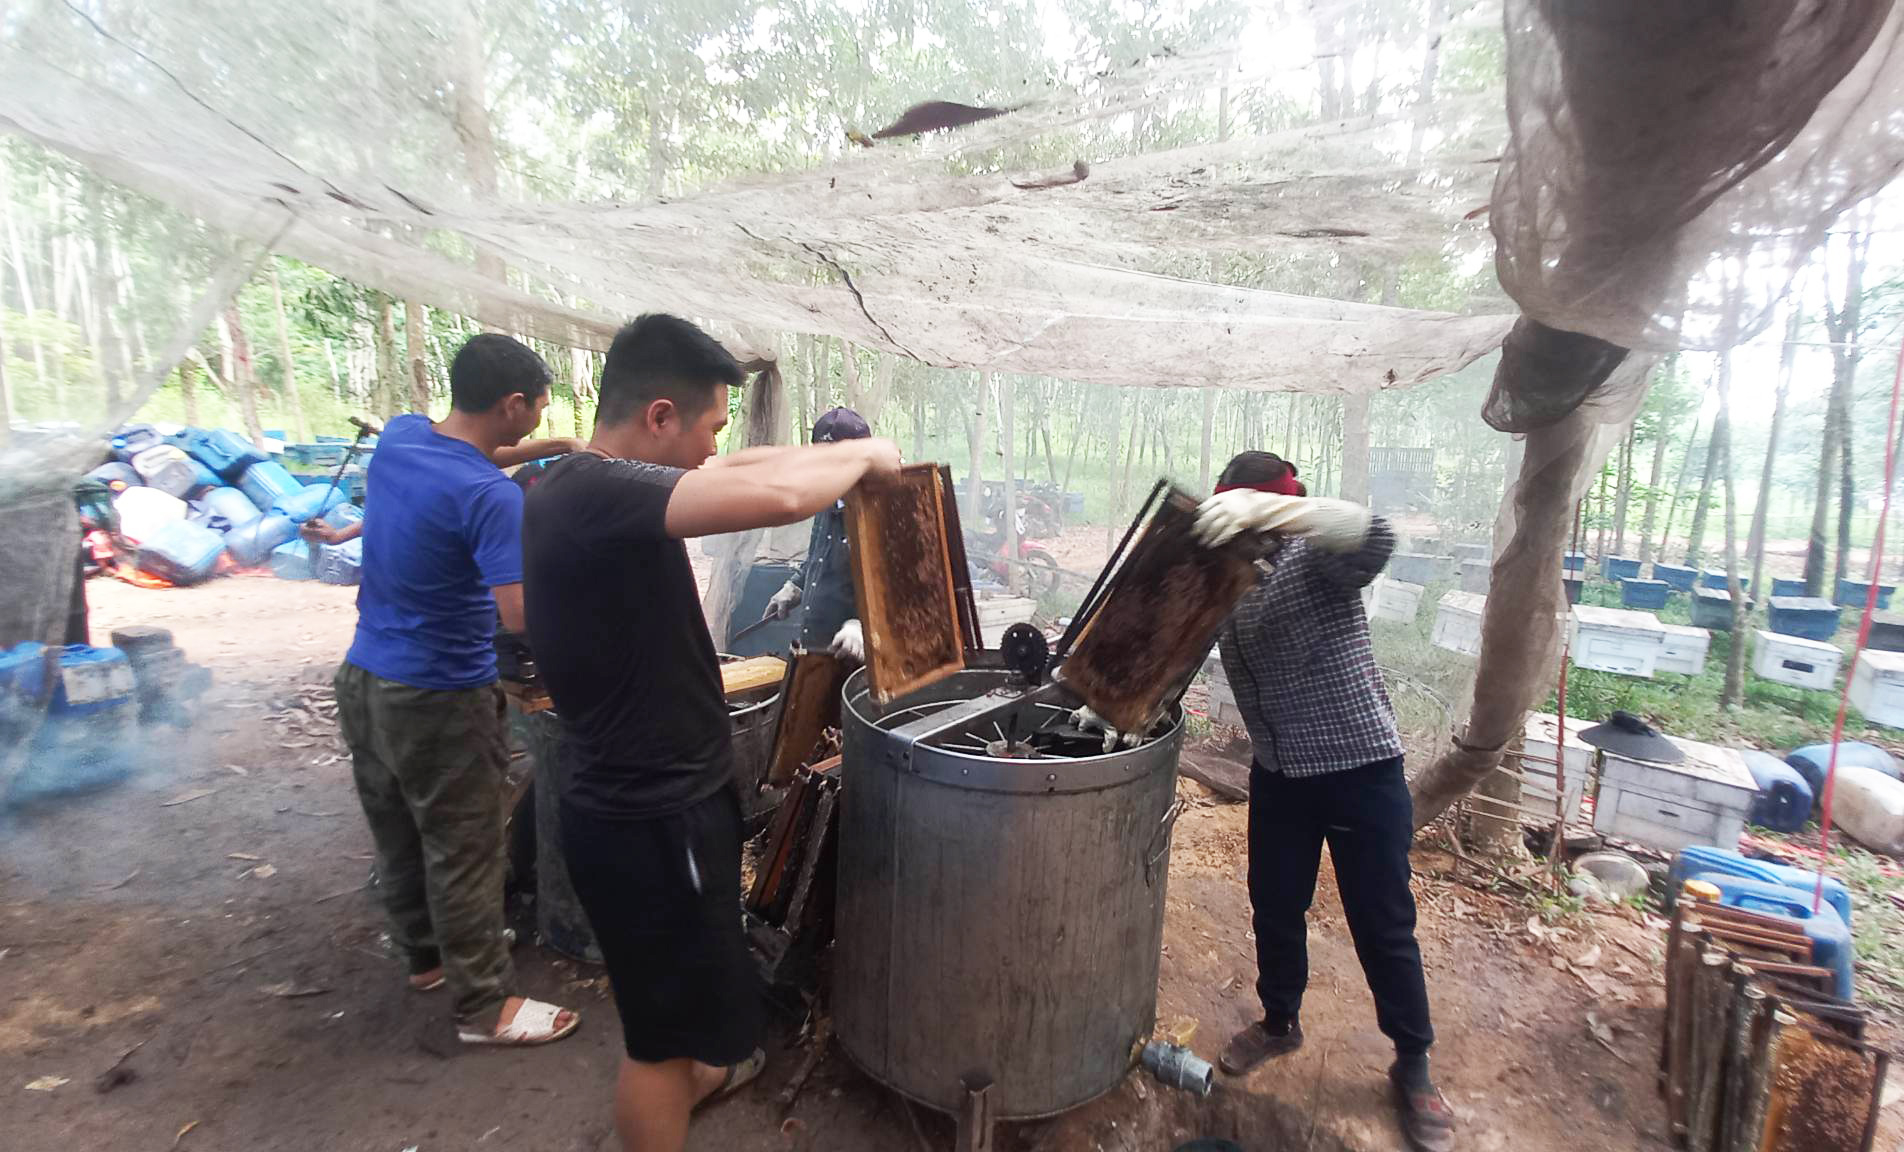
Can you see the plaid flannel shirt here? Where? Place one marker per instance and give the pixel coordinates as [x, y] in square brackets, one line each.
[1297, 654]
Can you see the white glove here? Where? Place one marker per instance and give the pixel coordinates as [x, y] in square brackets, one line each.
[1085, 720]
[1335, 525]
[849, 643]
[783, 602]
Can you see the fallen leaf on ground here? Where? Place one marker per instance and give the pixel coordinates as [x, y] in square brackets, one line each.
[241, 856]
[264, 871]
[188, 797]
[46, 1083]
[290, 990]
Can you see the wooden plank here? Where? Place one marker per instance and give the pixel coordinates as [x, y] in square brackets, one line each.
[809, 705]
[1158, 618]
[740, 676]
[903, 582]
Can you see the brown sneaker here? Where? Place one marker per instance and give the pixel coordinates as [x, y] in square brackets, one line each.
[1258, 1043]
[1425, 1117]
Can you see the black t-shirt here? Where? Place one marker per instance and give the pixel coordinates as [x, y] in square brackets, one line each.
[614, 618]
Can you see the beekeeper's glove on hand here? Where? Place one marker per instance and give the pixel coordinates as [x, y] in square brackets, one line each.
[1085, 720]
[1335, 525]
[783, 602]
[849, 643]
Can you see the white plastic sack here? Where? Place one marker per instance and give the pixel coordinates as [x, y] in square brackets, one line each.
[143, 511]
[1869, 807]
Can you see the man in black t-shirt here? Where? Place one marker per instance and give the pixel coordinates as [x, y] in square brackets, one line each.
[651, 829]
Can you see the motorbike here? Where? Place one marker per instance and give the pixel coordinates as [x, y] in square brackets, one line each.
[1038, 570]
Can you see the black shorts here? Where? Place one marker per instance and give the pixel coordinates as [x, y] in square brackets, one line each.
[663, 896]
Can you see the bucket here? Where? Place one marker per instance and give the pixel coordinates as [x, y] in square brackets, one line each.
[252, 544]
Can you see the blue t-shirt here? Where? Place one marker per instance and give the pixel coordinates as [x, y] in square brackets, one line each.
[442, 526]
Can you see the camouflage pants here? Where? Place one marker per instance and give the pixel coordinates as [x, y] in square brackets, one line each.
[429, 771]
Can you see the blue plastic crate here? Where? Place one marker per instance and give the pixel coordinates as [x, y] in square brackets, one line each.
[1680, 579]
[1810, 617]
[1573, 562]
[1619, 568]
[1716, 578]
[1852, 593]
[1649, 595]
[1787, 587]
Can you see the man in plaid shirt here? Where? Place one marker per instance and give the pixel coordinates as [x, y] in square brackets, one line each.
[1328, 768]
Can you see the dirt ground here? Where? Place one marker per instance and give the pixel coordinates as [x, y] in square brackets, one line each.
[209, 928]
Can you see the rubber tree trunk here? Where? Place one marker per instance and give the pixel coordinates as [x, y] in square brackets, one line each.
[1519, 630]
[1209, 436]
[1821, 499]
[287, 365]
[1624, 494]
[1355, 447]
[1679, 489]
[1722, 434]
[1007, 400]
[188, 388]
[581, 389]
[1696, 536]
[1755, 538]
[386, 338]
[414, 322]
[765, 423]
[241, 377]
[975, 472]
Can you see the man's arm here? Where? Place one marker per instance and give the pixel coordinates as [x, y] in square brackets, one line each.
[509, 605]
[325, 534]
[779, 489]
[1357, 568]
[759, 454]
[521, 452]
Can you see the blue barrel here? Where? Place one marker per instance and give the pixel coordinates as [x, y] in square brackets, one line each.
[181, 552]
[293, 561]
[1852, 594]
[251, 544]
[1703, 858]
[229, 508]
[134, 439]
[1787, 587]
[1649, 595]
[225, 453]
[1784, 800]
[1830, 937]
[1812, 759]
[1619, 568]
[308, 502]
[116, 475]
[1808, 617]
[266, 482]
[340, 563]
[1681, 579]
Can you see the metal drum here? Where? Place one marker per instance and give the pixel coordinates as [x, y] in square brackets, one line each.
[753, 722]
[999, 919]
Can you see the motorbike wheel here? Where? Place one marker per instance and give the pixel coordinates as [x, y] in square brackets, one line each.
[1042, 577]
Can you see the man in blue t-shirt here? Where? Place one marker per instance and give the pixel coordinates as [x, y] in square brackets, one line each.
[417, 697]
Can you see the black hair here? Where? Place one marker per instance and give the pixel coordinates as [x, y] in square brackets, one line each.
[490, 366]
[1248, 469]
[661, 357]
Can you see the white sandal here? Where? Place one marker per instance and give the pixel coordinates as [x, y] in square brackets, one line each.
[534, 1024]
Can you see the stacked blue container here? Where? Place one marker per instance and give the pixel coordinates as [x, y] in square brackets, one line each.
[1647, 595]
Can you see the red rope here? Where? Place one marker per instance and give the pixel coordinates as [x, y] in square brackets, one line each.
[1864, 633]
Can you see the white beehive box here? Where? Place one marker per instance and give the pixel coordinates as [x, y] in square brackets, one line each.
[1616, 640]
[1795, 660]
[1700, 800]
[997, 613]
[1394, 600]
[1540, 736]
[1877, 687]
[1685, 649]
[1458, 622]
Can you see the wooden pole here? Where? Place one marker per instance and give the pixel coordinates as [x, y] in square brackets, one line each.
[1007, 400]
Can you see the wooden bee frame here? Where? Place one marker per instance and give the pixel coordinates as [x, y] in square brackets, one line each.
[904, 582]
